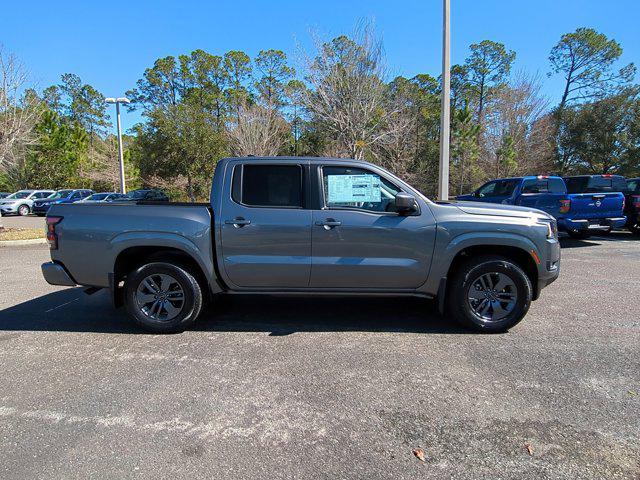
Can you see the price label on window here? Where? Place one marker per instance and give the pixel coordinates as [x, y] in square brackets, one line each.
[353, 188]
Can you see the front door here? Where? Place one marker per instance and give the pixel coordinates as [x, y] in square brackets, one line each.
[358, 239]
[266, 232]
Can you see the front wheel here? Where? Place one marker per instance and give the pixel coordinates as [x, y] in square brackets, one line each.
[23, 210]
[162, 297]
[489, 294]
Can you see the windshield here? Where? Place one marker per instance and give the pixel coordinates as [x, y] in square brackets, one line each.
[59, 194]
[20, 194]
[137, 194]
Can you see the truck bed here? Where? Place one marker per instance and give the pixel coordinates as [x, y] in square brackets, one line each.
[100, 232]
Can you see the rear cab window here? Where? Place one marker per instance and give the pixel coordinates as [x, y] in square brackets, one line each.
[633, 186]
[543, 185]
[596, 183]
[268, 185]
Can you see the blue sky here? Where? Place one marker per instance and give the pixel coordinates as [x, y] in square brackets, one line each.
[109, 44]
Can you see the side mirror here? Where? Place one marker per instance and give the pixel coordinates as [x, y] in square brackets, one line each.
[405, 203]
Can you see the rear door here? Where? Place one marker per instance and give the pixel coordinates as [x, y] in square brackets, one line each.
[265, 227]
[359, 240]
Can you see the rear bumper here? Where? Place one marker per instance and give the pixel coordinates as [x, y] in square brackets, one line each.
[591, 223]
[56, 274]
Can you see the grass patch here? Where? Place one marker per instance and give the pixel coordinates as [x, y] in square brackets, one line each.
[21, 233]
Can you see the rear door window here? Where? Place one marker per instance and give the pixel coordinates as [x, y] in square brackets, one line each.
[270, 186]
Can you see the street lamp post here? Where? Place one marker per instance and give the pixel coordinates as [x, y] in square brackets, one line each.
[118, 101]
[445, 113]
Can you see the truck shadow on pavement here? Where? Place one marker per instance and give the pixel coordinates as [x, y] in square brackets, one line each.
[71, 310]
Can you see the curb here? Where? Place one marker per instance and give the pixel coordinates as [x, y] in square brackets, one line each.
[14, 243]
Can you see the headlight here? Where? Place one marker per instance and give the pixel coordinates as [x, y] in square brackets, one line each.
[552, 228]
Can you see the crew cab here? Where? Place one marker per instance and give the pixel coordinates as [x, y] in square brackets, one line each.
[307, 226]
[40, 207]
[579, 213]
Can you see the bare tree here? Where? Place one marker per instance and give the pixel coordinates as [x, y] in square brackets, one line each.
[19, 109]
[518, 136]
[349, 95]
[257, 131]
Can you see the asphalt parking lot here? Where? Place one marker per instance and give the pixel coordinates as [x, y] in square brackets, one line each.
[324, 388]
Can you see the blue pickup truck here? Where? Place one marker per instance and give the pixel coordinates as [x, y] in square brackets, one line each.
[578, 214]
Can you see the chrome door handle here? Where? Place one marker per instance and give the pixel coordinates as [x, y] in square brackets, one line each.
[237, 222]
[329, 223]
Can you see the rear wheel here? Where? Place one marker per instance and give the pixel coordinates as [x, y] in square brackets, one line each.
[163, 297]
[635, 229]
[23, 210]
[489, 294]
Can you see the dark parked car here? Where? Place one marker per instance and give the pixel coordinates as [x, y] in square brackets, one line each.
[4, 194]
[41, 207]
[632, 204]
[104, 197]
[152, 195]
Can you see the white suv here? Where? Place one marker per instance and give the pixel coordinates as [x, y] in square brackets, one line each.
[21, 201]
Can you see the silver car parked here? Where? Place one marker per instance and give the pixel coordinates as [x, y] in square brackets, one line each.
[21, 201]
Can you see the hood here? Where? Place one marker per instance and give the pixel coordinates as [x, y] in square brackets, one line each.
[480, 208]
[49, 200]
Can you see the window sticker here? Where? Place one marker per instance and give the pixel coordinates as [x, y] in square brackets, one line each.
[353, 188]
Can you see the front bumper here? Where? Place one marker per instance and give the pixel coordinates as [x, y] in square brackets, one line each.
[9, 208]
[549, 266]
[40, 208]
[573, 224]
[56, 274]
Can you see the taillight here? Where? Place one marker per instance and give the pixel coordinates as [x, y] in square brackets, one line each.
[635, 199]
[565, 205]
[52, 236]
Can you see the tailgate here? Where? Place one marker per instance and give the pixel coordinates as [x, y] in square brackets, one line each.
[590, 206]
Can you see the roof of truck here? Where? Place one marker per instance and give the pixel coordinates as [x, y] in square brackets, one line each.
[289, 158]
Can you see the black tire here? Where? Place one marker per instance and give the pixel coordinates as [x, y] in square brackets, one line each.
[459, 304]
[192, 297]
[635, 229]
[24, 210]
[579, 234]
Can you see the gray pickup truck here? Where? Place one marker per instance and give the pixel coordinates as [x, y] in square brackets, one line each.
[308, 226]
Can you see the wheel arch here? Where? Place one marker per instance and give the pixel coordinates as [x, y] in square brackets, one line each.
[133, 257]
[521, 257]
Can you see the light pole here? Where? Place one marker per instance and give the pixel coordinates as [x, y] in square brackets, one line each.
[118, 101]
[445, 114]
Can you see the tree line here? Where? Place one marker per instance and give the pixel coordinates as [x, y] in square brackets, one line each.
[340, 101]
